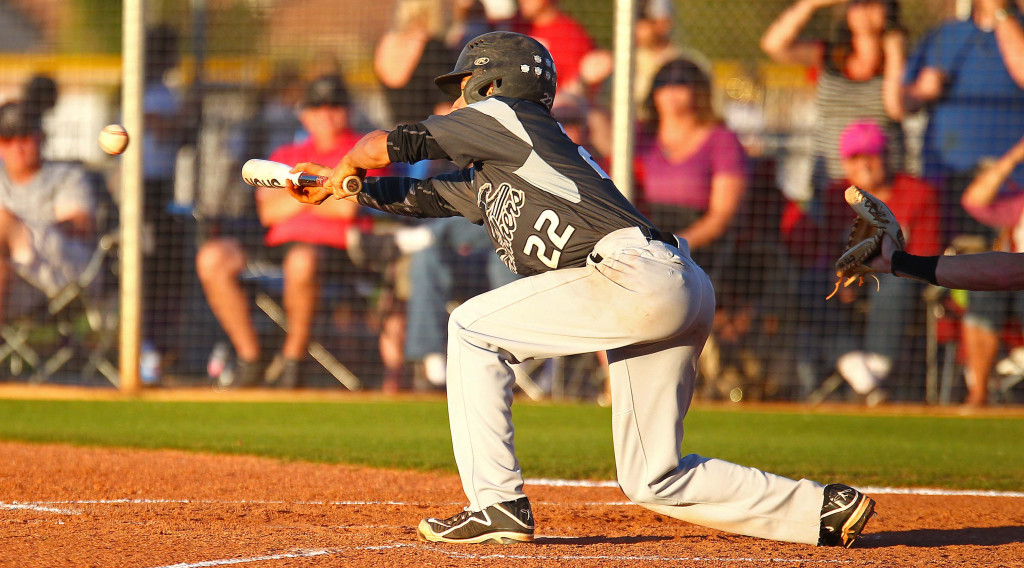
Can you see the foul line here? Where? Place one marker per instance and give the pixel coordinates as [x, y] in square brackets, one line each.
[47, 506]
[229, 561]
[541, 557]
[16, 506]
[50, 506]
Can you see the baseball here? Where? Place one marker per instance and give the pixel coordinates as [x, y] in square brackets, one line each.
[113, 139]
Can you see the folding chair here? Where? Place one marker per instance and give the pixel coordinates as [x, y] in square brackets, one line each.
[78, 319]
[268, 281]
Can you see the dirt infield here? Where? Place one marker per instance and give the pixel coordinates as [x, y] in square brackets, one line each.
[63, 506]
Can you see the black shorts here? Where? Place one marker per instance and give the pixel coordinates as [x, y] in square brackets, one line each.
[249, 233]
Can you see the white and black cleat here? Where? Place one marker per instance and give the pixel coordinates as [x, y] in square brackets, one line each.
[502, 523]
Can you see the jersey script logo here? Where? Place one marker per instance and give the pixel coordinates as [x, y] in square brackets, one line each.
[502, 207]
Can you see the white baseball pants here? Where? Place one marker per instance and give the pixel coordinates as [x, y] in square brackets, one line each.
[651, 307]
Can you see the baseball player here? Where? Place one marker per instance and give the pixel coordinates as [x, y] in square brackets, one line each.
[599, 277]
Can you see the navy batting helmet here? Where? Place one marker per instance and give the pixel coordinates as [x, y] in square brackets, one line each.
[516, 65]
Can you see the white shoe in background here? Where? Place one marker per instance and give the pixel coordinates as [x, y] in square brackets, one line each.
[853, 366]
[435, 368]
[414, 239]
[150, 361]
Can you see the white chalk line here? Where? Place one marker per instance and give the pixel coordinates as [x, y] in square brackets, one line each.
[16, 506]
[51, 506]
[229, 561]
[940, 492]
[445, 551]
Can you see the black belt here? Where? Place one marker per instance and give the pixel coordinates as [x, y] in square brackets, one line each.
[651, 234]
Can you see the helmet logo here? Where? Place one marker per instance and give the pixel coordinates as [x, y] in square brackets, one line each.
[482, 61]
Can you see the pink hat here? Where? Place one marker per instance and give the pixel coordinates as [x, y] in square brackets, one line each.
[862, 137]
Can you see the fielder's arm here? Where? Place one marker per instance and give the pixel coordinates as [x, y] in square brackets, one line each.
[984, 271]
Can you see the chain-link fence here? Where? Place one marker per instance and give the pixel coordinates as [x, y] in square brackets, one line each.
[751, 117]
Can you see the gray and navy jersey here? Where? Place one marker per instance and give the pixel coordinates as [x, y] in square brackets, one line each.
[542, 198]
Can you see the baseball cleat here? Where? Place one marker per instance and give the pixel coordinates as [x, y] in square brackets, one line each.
[502, 523]
[843, 515]
[874, 211]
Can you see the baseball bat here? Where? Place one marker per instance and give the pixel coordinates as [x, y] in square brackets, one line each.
[265, 173]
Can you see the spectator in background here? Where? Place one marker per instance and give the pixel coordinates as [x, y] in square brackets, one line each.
[971, 82]
[655, 21]
[305, 240]
[859, 74]
[451, 249]
[409, 56]
[46, 213]
[565, 38]
[164, 264]
[471, 18]
[39, 95]
[691, 169]
[274, 122]
[862, 148]
[996, 199]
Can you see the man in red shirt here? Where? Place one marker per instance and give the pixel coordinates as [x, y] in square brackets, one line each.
[303, 238]
[565, 38]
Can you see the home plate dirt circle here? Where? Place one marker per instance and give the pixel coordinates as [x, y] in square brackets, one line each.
[67, 506]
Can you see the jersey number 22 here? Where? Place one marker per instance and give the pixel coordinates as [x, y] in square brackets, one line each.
[558, 240]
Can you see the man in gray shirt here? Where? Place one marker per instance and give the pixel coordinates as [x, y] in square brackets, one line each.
[46, 211]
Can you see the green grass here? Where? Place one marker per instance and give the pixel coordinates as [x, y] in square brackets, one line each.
[563, 440]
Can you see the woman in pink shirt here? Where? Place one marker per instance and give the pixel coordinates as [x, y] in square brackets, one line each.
[691, 168]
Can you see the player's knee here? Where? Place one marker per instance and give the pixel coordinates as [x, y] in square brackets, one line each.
[219, 258]
[460, 319]
[637, 492]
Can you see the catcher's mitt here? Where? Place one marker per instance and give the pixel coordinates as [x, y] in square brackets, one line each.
[874, 221]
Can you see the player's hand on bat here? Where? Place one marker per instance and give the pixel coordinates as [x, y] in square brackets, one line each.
[336, 178]
[312, 195]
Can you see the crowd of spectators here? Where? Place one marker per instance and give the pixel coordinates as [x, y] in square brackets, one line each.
[694, 177]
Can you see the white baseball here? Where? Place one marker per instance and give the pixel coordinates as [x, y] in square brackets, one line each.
[113, 139]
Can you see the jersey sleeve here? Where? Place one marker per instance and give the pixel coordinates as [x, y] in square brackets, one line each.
[488, 130]
[413, 143]
[447, 195]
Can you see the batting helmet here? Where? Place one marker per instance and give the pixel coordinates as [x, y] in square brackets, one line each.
[517, 66]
